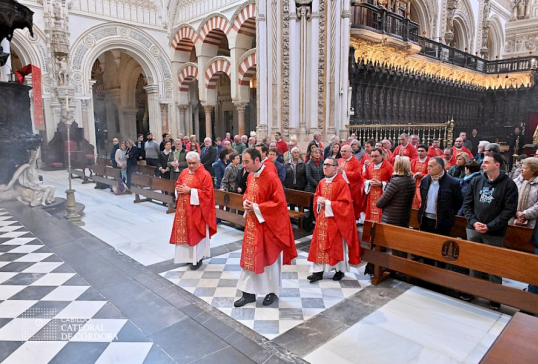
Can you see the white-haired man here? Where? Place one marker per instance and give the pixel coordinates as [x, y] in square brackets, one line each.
[209, 155]
[195, 220]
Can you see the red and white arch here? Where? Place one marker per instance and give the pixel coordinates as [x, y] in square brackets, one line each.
[247, 68]
[245, 21]
[185, 39]
[215, 68]
[186, 75]
[210, 33]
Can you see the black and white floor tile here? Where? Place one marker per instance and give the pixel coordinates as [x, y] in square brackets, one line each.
[50, 314]
[216, 281]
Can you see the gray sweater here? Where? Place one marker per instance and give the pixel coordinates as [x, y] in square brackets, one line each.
[152, 149]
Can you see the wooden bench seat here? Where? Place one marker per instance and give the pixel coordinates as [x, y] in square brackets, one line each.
[145, 169]
[301, 199]
[108, 176]
[153, 188]
[78, 169]
[232, 201]
[517, 343]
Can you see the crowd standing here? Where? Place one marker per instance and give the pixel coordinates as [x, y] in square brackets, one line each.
[380, 182]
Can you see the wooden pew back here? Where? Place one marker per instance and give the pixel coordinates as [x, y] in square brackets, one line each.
[480, 257]
[145, 169]
[517, 237]
[232, 201]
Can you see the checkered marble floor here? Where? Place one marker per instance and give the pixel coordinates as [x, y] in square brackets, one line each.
[216, 281]
[50, 314]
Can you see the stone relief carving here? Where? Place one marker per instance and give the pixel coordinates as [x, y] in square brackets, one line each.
[321, 68]
[285, 63]
[63, 71]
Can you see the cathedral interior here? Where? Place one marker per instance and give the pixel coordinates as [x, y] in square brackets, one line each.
[103, 287]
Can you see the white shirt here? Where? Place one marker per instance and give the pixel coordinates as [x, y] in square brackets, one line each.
[431, 203]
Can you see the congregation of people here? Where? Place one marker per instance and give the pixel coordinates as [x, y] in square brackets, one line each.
[351, 183]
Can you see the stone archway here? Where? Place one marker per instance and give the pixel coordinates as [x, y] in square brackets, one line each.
[141, 47]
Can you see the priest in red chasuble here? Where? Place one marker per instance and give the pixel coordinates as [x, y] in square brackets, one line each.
[419, 168]
[268, 240]
[377, 175]
[350, 168]
[195, 220]
[435, 149]
[266, 161]
[335, 242]
[405, 149]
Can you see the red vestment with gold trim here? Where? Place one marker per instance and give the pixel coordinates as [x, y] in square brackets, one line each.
[434, 152]
[190, 220]
[422, 167]
[263, 242]
[409, 151]
[326, 246]
[383, 174]
[353, 169]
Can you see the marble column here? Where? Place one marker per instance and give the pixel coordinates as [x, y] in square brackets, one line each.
[208, 123]
[241, 106]
[128, 123]
[6, 69]
[182, 124]
[155, 119]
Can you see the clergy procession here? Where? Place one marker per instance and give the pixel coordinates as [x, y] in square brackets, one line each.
[351, 185]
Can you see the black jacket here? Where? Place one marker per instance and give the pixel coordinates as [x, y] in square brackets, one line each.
[241, 180]
[492, 203]
[314, 174]
[300, 178]
[141, 150]
[449, 200]
[113, 155]
[397, 200]
[208, 158]
[132, 161]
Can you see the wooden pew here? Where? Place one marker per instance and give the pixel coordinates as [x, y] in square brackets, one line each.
[108, 176]
[301, 199]
[517, 343]
[517, 237]
[152, 189]
[103, 161]
[145, 169]
[503, 262]
[78, 169]
[232, 201]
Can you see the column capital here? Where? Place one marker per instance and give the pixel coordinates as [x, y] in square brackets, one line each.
[152, 89]
[240, 106]
[182, 108]
[208, 108]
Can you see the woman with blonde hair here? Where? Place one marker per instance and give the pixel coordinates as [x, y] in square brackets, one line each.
[527, 186]
[397, 197]
[458, 170]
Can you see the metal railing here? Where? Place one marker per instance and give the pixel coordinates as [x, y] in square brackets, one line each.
[380, 20]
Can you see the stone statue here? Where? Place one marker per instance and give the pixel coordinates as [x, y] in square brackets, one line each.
[26, 187]
[523, 9]
[63, 71]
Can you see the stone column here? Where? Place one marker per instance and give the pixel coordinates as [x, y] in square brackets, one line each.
[155, 126]
[182, 122]
[208, 123]
[128, 123]
[165, 119]
[6, 69]
[241, 106]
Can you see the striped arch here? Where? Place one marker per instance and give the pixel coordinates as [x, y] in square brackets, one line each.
[186, 75]
[208, 29]
[247, 68]
[244, 20]
[216, 67]
[185, 38]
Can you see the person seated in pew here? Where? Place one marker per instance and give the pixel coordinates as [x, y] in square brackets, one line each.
[335, 242]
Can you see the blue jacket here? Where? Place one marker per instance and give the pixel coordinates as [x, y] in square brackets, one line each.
[449, 200]
[464, 183]
[220, 167]
[281, 171]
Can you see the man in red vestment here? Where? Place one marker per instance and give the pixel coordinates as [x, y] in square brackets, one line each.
[350, 168]
[376, 177]
[459, 148]
[448, 156]
[268, 162]
[405, 149]
[435, 150]
[387, 146]
[365, 160]
[335, 243]
[195, 220]
[268, 241]
[419, 168]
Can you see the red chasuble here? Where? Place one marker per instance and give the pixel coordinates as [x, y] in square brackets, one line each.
[270, 166]
[388, 152]
[409, 151]
[417, 166]
[190, 220]
[434, 152]
[383, 174]
[263, 242]
[326, 247]
[463, 149]
[353, 169]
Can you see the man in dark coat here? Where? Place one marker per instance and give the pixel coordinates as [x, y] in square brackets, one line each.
[209, 154]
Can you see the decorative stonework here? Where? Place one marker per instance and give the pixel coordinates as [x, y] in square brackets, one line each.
[321, 68]
[285, 65]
